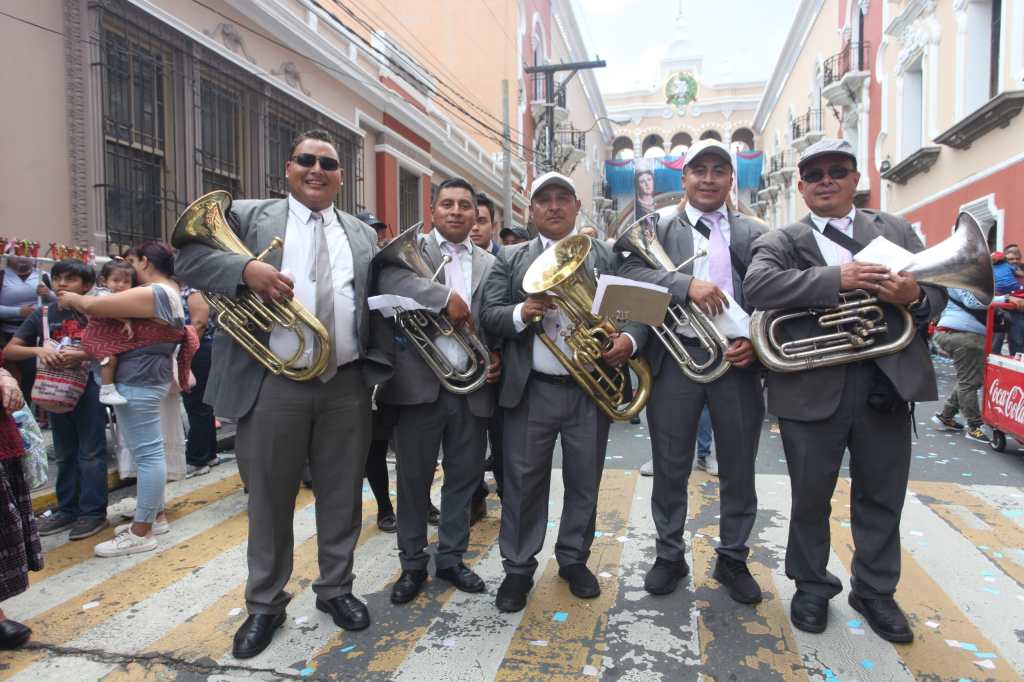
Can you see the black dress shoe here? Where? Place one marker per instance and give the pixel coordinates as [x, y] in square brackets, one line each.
[809, 612]
[407, 586]
[582, 582]
[13, 634]
[387, 522]
[477, 510]
[664, 576]
[255, 634]
[434, 515]
[461, 577]
[736, 577]
[885, 617]
[512, 593]
[347, 612]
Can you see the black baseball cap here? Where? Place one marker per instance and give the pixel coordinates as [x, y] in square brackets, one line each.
[372, 220]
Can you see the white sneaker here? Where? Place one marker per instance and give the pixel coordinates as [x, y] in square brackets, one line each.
[191, 470]
[647, 469]
[158, 528]
[125, 508]
[110, 396]
[125, 543]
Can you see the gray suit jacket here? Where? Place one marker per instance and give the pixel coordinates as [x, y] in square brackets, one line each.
[503, 290]
[413, 383]
[235, 376]
[676, 236]
[782, 276]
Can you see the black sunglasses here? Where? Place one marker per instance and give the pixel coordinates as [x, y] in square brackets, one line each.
[835, 172]
[327, 163]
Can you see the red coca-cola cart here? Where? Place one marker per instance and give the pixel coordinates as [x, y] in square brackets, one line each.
[1002, 401]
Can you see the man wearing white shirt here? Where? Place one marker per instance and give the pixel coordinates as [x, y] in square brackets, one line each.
[429, 415]
[285, 425]
[858, 406]
[543, 402]
[734, 400]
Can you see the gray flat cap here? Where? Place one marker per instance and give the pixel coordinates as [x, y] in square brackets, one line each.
[828, 145]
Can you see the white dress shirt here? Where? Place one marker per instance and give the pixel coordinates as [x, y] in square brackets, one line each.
[452, 349]
[295, 259]
[702, 266]
[544, 360]
[830, 251]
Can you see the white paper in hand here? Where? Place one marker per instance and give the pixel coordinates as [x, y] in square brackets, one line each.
[733, 322]
[387, 303]
[881, 251]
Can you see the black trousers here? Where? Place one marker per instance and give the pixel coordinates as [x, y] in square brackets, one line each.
[201, 446]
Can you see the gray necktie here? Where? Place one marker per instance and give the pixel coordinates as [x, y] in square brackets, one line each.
[320, 274]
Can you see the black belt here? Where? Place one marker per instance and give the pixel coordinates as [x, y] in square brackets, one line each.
[556, 379]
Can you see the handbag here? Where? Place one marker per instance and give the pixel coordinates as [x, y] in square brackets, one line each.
[36, 467]
[57, 390]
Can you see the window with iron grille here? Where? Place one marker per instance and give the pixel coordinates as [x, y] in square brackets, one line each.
[178, 120]
[408, 198]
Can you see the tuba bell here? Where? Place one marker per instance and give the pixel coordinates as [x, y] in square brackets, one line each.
[423, 328]
[641, 240]
[852, 329]
[205, 222]
[559, 272]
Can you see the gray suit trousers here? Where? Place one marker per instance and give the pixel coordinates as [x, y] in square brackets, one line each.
[294, 423]
[546, 412]
[879, 467]
[419, 434]
[736, 404]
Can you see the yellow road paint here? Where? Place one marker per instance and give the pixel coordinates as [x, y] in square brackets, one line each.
[71, 553]
[573, 643]
[922, 599]
[1001, 537]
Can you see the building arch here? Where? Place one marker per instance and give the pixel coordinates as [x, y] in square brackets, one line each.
[742, 140]
[653, 147]
[680, 143]
[622, 149]
[711, 135]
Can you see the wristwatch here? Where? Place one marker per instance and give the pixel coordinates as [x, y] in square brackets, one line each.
[912, 307]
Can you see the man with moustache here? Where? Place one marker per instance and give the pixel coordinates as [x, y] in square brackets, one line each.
[542, 402]
[861, 406]
[430, 416]
[734, 400]
[284, 425]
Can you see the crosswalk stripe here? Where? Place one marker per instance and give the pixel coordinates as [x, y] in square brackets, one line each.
[573, 628]
[70, 619]
[923, 600]
[67, 554]
[995, 530]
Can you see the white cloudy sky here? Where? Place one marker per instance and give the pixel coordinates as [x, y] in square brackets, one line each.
[740, 39]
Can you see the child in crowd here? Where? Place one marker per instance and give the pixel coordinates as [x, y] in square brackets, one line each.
[116, 276]
[79, 436]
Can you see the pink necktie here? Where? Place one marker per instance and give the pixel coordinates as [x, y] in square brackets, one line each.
[843, 225]
[453, 273]
[720, 264]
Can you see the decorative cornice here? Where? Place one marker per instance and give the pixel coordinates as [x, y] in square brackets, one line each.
[996, 113]
[911, 13]
[231, 38]
[920, 161]
[291, 75]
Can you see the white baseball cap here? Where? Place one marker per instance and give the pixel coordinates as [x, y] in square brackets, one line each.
[551, 178]
[708, 146]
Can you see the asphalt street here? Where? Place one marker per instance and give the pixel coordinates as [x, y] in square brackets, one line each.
[171, 614]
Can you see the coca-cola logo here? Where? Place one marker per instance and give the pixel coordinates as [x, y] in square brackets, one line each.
[1007, 401]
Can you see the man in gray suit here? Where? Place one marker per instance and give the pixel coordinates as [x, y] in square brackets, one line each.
[861, 406]
[734, 400]
[285, 424]
[543, 402]
[429, 415]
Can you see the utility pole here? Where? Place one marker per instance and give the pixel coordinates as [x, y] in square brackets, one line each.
[551, 92]
[506, 147]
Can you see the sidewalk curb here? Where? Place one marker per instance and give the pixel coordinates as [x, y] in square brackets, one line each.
[47, 498]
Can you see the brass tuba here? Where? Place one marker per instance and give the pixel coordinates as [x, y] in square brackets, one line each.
[560, 273]
[850, 329]
[641, 240]
[422, 327]
[205, 222]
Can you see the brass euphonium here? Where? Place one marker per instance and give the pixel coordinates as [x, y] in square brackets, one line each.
[422, 327]
[961, 261]
[559, 272]
[205, 222]
[641, 240]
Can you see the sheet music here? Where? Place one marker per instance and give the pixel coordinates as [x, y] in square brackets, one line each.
[883, 252]
[387, 303]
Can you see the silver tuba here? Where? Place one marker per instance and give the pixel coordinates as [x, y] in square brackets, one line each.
[422, 327]
[852, 329]
[640, 239]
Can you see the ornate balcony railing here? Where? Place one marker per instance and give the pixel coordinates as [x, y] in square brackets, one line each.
[853, 57]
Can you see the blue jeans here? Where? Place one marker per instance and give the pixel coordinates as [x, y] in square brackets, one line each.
[80, 447]
[139, 422]
[704, 433]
